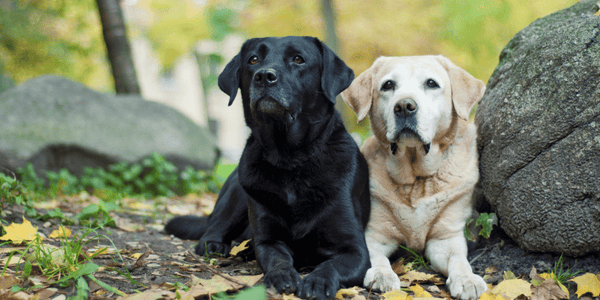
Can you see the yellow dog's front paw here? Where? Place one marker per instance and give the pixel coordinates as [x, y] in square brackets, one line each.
[382, 279]
[466, 287]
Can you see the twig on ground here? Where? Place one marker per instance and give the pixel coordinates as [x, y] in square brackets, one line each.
[214, 271]
[479, 255]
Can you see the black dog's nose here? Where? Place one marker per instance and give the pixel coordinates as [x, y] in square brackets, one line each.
[405, 107]
[265, 77]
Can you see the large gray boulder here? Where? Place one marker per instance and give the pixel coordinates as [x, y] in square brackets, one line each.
[539, 134]
[56, 123]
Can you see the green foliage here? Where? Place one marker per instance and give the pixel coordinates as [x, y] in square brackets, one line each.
[419, 261]
[560, 274]
[97, 215]
[153, 177]
[13, 192]
[485, 221]
[29, 178]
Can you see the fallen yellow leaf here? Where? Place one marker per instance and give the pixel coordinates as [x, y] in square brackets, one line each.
[397, 295]
[17, 233]
[203, 287]
[513, 288]
[419, 291]
[239, 248]
[351, 292]
[136, 255]
[489, 296]
[60, 232]
[587, 283]
[417, 276]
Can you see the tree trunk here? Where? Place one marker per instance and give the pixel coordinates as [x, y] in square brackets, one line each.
[117, 47]
[331, 39]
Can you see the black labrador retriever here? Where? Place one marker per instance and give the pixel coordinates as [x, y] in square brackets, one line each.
[301, 184]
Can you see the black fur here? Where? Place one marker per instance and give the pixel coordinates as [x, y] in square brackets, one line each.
[302, 184]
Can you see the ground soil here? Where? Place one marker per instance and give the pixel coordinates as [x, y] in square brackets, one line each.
[167, 255]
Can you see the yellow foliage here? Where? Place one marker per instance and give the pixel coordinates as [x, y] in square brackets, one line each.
[17, 233]
[60, 232]
[241, 247]
[417, 276]
[419, 291]
[513, 288]
[587, 283]
[351, 292]
[397, 295]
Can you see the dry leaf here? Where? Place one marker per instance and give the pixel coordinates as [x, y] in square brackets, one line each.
[48, 205]
[126, 224]
[203, 287]
[290, 297]
[351, 292]
[60, 232]
[513, 288]
[397, 295]
[17, 233]
[15, 259]
[419, 291]
[489, 296]
[548, 290]
[539, 280]
[491, 270]
[239, 248]
[399, 268]
[587, 283]
[7, 281]
[417, 276]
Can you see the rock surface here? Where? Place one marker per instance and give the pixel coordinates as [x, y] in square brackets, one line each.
[539, 134]
[56, 123]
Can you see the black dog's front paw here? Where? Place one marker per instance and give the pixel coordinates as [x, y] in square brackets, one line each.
[210, 247]
[284, 280]
[318, 286]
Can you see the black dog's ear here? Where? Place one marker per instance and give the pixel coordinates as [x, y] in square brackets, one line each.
[229, 79]
[337, 76]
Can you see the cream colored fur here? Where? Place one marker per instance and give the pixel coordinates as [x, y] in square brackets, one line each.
[421, 200]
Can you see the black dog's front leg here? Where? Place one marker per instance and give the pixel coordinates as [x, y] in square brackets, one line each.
[278, 264]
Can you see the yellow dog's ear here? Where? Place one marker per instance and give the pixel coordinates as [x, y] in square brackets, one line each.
[359, 95]
[466, 89]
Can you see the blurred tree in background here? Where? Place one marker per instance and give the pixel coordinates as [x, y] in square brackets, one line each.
[53, 36]
[64, 37]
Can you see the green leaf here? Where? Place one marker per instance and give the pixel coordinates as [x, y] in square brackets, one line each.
[85, 269]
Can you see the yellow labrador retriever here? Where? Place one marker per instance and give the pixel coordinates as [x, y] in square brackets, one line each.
[423, 165]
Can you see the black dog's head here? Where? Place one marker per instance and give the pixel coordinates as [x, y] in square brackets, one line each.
[282, 78]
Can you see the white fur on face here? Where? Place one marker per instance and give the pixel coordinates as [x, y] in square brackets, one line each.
[434, 105]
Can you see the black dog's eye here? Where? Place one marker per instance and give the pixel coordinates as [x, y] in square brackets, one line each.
[253, 60]
[432, 84]
[298, 59]
[388, 85]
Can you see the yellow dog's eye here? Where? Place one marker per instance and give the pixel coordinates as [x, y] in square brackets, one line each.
[298, 59]
[253, 60]
[432, 84]
[388, 85]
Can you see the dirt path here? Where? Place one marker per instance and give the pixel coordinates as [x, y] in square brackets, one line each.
[167, 262]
